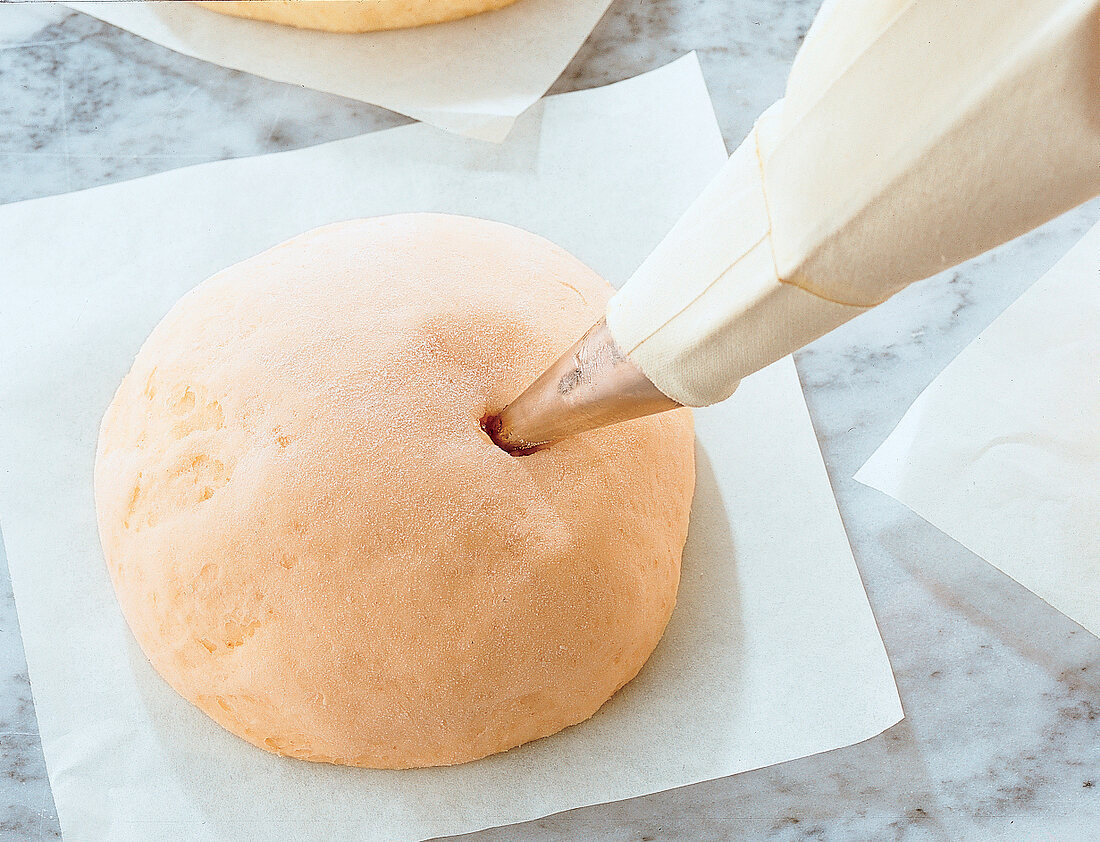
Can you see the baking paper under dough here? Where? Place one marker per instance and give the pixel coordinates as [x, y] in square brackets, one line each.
[772, 652]
[472, 76]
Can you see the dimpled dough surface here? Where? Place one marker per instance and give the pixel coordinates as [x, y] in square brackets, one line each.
[314, 542]
[353, 15]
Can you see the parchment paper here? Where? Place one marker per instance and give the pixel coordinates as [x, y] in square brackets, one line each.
[772, 652]
[472, 76]
[1002, 450]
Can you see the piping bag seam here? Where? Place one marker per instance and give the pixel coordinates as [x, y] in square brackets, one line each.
[695, 298]
[771, 240]
[766, 235]
[767, 203]
[771, 246]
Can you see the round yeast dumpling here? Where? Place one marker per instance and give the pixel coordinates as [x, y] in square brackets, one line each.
[353, 15]
[314, 541]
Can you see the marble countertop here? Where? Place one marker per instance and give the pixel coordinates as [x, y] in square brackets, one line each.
[1001, 738]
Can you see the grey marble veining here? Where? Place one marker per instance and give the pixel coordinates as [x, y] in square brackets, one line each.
[1001, 739]
[26, 806]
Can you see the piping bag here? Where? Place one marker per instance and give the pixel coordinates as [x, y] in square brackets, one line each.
[914, 135]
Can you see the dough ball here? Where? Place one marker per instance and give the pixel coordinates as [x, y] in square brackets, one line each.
[313, 540]
[354, 15]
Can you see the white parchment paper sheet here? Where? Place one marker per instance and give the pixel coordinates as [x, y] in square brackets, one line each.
[772, 652]
[472, 76]
[1002, 450]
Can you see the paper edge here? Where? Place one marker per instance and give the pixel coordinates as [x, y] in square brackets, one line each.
[492, 128]
[689, 57]
[889, 459]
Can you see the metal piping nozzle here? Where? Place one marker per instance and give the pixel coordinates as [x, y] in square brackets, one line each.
[591, 385]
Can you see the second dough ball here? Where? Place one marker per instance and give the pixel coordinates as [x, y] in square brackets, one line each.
[353, 15]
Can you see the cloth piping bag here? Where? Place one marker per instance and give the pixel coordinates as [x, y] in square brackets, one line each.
[914, 135]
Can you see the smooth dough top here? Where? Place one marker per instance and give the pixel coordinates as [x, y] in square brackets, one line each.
[353, 15]
[314, 541]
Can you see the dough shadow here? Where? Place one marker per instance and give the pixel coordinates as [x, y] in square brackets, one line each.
[693, 675]
[708, 604]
